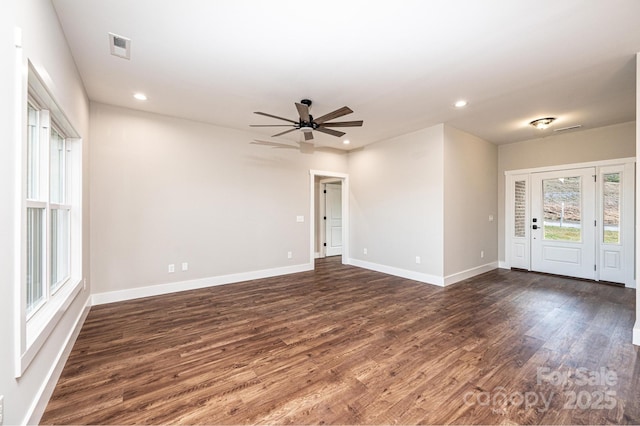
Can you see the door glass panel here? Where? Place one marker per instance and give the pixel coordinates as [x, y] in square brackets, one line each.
[611, 208]
[520, 206]
[562, 215]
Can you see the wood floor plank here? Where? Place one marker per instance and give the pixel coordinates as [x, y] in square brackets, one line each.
[344, 345]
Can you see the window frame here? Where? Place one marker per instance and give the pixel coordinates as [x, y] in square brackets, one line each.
[35, 325]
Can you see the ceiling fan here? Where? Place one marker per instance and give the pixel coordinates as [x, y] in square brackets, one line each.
[307, 124]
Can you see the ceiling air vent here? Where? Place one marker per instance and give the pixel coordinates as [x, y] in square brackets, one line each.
[120, 46]
[564, 129]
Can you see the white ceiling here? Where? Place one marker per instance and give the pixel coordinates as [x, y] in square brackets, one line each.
[400, 65]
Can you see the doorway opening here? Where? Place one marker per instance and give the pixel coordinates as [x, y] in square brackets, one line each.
[329, 215]
[575, 220]
[329, 219]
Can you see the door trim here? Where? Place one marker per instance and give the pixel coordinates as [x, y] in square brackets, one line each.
[322, 212]
[629, 192]
[345, 212]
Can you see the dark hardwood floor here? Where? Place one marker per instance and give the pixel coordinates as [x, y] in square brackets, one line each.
[343, 345]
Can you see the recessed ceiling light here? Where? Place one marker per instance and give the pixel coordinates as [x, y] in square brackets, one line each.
[460, 104]
[140, 96]
[346, 141]
[542, 123]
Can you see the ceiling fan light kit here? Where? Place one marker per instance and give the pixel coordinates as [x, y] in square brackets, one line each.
[307, 124]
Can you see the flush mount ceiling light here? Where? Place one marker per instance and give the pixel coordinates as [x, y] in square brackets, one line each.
[346, 141]
[460, 104]
[140, 96]
[542, 123]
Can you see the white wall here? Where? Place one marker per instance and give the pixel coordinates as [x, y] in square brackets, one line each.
[470, 197]
[397, 202]
[603, 143]
[411, 196]
[167, 190]
[44, 44]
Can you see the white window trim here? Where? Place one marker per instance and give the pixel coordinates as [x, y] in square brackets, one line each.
[31, 333]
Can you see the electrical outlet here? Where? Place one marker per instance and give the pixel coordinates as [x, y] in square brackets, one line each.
[418, 260]
[365, 251]
[185, 266]
[289, 255]
[481, 254]
[171, 269]
[84, 283]
[1, 409]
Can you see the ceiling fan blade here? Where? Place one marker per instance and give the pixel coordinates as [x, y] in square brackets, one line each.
[269, 125]
[284, 133]
[303, 111]
[335, 114]
[330, 132]
[357, 123]
[272, 144]
[308, 136]
[274, 116]
[306, 147]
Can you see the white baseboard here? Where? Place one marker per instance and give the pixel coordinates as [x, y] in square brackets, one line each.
[398, 272]
[504, 265]
[159, 289]
[46, 390]
[316, 255]
[425, 278]
[636, 333]
[463, 275]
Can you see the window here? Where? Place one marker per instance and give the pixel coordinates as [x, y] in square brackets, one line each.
[51, 222]
[520, 205]
[611, 208]
[48, 240]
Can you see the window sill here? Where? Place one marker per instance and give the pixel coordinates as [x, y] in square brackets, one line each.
[42, 324]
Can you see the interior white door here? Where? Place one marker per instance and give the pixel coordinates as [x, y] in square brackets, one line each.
[333, 219]
[563, 222]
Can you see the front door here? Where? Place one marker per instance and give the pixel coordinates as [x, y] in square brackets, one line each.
[563, 222]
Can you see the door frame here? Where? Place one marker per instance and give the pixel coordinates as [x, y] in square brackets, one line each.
[344, 178]
[628, 211]
[323, 212]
